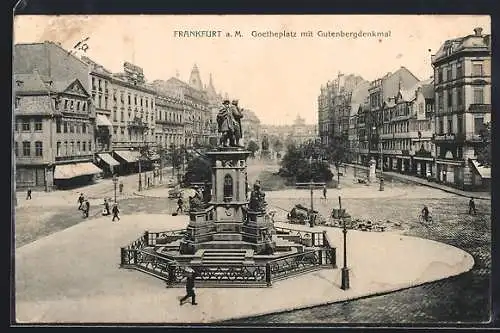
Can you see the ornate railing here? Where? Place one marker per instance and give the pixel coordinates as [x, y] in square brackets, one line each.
[140, 255]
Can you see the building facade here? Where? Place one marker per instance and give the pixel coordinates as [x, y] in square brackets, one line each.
[462, 84]
[53, 134]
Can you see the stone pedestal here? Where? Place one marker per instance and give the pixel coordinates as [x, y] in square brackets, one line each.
[258, 230]
[201, 229]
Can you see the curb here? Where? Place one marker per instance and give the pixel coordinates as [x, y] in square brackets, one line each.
[448, 190]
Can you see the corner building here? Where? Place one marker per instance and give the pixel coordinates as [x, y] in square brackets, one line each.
[462, 84]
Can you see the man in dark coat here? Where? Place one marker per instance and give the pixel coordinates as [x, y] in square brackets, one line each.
[237, 115]
[226, 122]
[80, 201]
[115, 212]
[472, 206]
[28, 195]
[86, 208]
[189, 287]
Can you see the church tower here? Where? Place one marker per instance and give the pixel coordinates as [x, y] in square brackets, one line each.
[194, 79]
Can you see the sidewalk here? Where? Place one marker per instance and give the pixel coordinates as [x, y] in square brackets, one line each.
[85, 283]
[424, 182]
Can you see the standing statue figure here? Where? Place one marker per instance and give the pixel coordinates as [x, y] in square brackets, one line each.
[265, 143]
[237, 115]
[226, 122]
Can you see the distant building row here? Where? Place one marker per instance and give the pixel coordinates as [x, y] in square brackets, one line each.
[71, 112]
[426, 128]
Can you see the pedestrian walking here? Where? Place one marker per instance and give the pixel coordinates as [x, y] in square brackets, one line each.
[28, 194]
[105, 211]
[86, 208]
[324, 192]
[189, 287]
[148, 181]
[115, 212]
[180, 205]
[121, 187]
[80, 201]
[472, 206]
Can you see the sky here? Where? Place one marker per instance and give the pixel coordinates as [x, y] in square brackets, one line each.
[277, 78]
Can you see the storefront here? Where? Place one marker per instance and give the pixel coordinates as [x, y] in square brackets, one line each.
[450, 172]
[128, 160]
[75, 174]
[480, 176]
[106, 162]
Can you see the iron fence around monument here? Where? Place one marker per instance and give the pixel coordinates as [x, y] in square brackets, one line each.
[140, 255]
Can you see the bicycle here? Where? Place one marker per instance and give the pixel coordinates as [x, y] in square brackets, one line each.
[423, 221]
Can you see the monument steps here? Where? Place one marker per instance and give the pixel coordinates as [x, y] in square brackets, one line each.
[231, 256]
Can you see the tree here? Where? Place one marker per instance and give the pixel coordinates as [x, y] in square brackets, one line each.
[277, 145]
[198, 171]
[484, 153]
[253, 147]
[304, 163]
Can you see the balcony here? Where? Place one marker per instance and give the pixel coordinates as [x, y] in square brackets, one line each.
[137, 123]
[480, 108]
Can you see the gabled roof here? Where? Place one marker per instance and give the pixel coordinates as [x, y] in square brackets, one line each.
[35, 83]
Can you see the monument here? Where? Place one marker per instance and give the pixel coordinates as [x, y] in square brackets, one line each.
[229, 238]
[265, 152]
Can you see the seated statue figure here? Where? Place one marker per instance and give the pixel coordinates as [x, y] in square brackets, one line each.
[257, 199]
[196, 202]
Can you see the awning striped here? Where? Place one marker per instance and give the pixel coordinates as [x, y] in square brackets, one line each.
[68, 171]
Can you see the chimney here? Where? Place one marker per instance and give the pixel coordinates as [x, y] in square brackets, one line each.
[478, 31]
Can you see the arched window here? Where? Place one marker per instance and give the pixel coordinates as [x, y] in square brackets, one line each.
[228, 188]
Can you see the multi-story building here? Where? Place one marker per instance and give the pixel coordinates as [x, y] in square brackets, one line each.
[250, 125]
[302, 132]
[53, 132]
[462, 84]
[382, 92]
[334, 107]
[54, 117]
[169, 120]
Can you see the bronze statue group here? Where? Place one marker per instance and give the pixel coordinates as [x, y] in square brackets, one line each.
[229, 124]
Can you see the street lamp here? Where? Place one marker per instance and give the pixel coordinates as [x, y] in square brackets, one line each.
[115, 182]
[381, 161]
[345, 270]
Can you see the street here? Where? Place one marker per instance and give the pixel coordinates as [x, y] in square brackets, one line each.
[463, 298]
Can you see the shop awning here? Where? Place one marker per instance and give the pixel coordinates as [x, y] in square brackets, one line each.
[108, 159]
[127, 155]
[102, 120]
[68, 171]
[484, 172]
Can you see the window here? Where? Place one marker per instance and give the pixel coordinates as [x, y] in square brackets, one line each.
[77, 128]
[58, 148]
[450, 98]
[38, 124]
[147, 102]
[440, 100]
[478, 96]
[100, 101]
[135, 99]
[478, 124]
[460, 124]
[106, 102]
[78, 106]
[122, 118]
[115, 129]
[72, 145]
[228, 188]
[122, 130]
[84, 128]
[66, 151]
[114, 114]
[141, 101]
[65, 104]
[58, 125]
[71, 128]
[93, 83]
[477, 69]
[460, 152]
[84, 106]
[448, 73]
[25, 125]
[459, 96]
[114, 95]
[440, 75]
[26, 148]
[71, 105]
[128, 99]
[459, 70]
[78, 147]
[16, 103]
[84, 146]
[38, 148]
[441, 126]
[16, 148]
[450, 126]
[90, 145]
